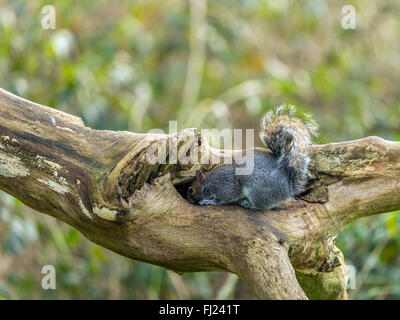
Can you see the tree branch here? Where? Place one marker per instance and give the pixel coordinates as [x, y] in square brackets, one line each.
[102, 183]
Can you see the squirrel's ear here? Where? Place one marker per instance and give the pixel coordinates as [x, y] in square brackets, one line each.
[199, 176]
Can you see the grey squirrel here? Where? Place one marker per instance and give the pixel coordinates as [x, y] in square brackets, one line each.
[278, 174]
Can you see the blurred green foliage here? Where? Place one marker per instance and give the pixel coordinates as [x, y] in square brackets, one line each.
[135, 65]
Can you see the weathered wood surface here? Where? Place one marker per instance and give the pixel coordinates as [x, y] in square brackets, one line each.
[101, 183]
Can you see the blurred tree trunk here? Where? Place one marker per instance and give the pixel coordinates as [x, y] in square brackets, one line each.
[102, 183]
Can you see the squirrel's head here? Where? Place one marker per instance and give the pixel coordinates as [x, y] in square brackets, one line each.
[194, 192]
[207, 190]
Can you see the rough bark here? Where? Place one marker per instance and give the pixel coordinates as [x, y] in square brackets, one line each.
[102, 183]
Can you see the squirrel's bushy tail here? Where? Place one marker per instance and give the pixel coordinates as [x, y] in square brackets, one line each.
[288, 135]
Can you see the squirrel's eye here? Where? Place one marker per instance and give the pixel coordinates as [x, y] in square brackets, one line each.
[205, 191]
[191, 190]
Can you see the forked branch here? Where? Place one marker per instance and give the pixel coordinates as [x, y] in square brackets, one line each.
[102, 183]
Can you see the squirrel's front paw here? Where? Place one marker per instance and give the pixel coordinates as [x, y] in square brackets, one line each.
[245, 203]
[207, 202]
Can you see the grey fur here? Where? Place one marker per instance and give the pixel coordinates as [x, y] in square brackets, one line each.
[279, 173]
